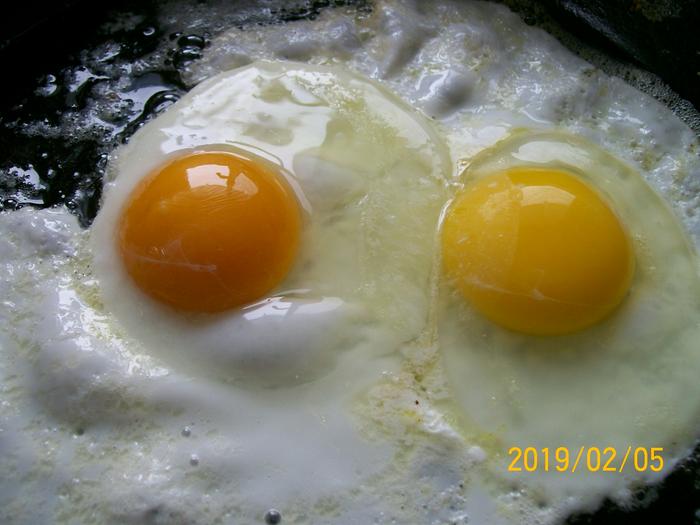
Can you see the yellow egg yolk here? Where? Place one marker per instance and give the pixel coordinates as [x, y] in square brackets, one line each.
[210, 231]
[537, 251]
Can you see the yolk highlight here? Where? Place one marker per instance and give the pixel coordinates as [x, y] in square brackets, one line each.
[537, 251]
[210, 231]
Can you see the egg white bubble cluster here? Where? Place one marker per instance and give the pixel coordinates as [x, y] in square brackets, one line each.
[346, 396]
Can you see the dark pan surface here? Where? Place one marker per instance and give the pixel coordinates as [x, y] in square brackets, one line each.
[65, 62]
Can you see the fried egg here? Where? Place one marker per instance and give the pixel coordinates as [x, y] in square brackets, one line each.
[278, 180]
[258, 227]
[308, 288]
[523, 260]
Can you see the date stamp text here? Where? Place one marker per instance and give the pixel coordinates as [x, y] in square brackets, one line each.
[590, 459]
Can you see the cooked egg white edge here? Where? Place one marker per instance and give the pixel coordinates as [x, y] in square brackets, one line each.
[482, 72]
[95, 411]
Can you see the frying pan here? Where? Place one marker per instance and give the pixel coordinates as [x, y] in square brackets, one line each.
[652, 45]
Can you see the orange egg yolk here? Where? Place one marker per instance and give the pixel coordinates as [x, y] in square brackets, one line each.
[210, 231]
[537, 251]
